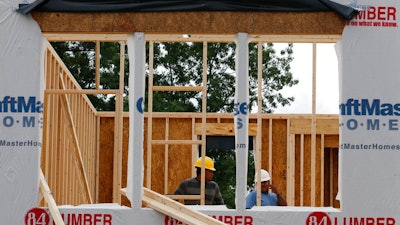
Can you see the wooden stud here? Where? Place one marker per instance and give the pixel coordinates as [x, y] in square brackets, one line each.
[97, 66]
[166, 164]
[313, 126]
[150, 115]
[258, 153]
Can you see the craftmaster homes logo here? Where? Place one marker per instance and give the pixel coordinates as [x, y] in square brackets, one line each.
[363, 114]
[374, 16]
[20, 112]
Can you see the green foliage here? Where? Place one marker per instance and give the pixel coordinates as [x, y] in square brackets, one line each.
[276, 75]
[225, 174]
[182, 64]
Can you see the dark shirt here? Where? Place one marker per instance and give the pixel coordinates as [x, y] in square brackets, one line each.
[191, 186]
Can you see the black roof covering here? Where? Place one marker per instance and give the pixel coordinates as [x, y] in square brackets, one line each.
[187, 5]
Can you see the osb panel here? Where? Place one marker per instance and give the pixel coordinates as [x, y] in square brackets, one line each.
[106, 157]
[279, 153]
[180, 157]
[158, 128]
[180, 166]
[331, 169]
[265, 144]
[157, 155]
[289, 23]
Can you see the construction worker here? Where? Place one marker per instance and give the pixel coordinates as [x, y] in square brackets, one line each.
[273, 198]
[192, 186]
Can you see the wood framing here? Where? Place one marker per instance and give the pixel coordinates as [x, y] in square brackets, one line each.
[300, 151]
[285, 152]
[47, 194]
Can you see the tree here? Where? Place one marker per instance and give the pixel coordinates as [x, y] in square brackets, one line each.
[181, 64]
[276, 75]
[225, 174]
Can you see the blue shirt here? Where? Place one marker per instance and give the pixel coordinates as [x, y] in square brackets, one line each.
[267, 199]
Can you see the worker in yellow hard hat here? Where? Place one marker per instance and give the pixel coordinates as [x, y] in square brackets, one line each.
[191, 186]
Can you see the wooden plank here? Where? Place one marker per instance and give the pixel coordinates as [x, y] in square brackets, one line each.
[203, 125]
[177, 88]
[186, 197]
[47, 194]
[115, 37]
[150, 115]
[97, 64]
[82, 91]
[176, 210]
[313, 126]
[224, 129]
[227, 22]
[258, 150]
[166, 152]
[118, 129]
[323, 126]
[220, 116]
[177, 142]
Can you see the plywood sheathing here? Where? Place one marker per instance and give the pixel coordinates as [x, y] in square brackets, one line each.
[288, 23]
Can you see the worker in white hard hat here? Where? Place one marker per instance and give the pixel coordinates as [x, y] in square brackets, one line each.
[191, 186]
[268, 198]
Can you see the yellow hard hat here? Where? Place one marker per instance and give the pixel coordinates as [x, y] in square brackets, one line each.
[209, 163]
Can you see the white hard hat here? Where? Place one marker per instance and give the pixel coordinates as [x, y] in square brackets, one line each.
[264, 176]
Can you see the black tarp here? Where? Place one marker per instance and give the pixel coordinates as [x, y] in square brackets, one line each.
[187, 5]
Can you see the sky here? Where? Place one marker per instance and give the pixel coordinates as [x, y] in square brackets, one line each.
[327, 90]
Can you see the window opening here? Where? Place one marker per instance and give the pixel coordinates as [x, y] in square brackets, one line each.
[222, 150]
[170, 143]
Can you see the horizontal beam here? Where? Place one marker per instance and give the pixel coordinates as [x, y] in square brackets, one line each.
[224, 129]
[176, 210]
[193, 23]
[176, 142]
[92, 37]
[224, 115]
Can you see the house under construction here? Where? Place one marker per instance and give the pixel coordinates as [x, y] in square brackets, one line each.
[84, 156]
